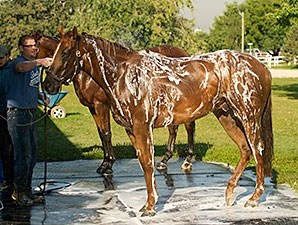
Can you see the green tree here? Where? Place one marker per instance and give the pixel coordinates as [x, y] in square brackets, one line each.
[201, 45]
[290, 48]
[287, 16]
[225, 32]
[261, 26]
[287, 12]
[137, 24]
[27, 16]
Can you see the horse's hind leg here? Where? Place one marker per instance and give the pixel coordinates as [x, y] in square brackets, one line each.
[264, 144]
[259, 190]
[187, 165]
[190, 128]
[236, 133]
[162, 165]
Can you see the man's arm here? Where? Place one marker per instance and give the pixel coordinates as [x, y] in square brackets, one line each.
[29, 65]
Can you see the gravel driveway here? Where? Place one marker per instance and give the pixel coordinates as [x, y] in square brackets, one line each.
[282, 73]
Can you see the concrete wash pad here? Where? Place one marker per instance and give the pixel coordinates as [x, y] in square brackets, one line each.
[194, 198]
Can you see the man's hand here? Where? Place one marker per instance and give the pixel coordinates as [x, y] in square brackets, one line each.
[45, 99]
[46, 62]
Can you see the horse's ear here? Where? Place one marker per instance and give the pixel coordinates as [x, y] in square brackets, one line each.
[36, 35]
[75, 32]
[60, 30]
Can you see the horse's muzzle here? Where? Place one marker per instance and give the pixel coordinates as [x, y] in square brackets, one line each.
[50, 85]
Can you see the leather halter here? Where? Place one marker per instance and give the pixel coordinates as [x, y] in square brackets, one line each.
[77, 70]
[78, 57]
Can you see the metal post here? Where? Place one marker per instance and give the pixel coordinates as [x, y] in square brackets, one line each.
[242, 31]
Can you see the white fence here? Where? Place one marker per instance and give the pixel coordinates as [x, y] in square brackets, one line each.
[275, 60]
[271, 60]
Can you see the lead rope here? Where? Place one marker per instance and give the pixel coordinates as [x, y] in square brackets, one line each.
[43, 189]
[45, 135]
[43, 186]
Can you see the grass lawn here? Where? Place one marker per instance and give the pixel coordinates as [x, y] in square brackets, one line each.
[75, 136]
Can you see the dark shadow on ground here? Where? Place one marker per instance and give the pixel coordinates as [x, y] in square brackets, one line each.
[48, 129]
[274, 176]
[127, 151]
[184, 198]
[290, 91]
[72, 113]
[56, 138]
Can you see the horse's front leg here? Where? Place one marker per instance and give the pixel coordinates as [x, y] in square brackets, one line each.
[141, 138]
[101, 115]
[187, 164]
[163, 164]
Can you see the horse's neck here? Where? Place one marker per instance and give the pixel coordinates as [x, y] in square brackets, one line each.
[114, 50]
[102, 64]
[97, 63]
[105, 55]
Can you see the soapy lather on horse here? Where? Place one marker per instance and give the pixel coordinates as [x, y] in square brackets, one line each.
[150, 90]
[93, 96]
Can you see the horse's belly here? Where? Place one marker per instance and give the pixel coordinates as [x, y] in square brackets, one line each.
[182, 114]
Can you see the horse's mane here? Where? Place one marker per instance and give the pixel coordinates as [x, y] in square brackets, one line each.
[106, 43]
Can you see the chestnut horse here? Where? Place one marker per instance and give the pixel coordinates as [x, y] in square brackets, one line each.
[93, 96]
[150, 90]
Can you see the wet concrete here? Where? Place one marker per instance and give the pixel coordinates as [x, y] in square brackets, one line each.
[195, 198]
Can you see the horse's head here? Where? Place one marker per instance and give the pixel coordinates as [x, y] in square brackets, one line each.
[46, 45]
[65, 62]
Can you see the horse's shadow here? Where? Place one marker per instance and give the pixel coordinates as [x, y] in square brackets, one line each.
[127, 151]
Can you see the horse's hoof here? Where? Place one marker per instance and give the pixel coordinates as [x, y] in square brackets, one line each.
[146, 212]
[161, 166]
[149, 213]
[186, 167]
[251, 203]
[107, 172]
[143, 209]
[104, 171]
[99, 170]
[230, 199]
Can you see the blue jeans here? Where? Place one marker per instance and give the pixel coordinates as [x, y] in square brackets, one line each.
[22, 128]
[6, 150]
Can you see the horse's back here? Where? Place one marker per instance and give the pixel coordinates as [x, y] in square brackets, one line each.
[184, 86]
[235, 68]
[170, 51]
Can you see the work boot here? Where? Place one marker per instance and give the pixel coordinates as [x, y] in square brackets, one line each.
[35, 198]
[21, 199]
[7, 187]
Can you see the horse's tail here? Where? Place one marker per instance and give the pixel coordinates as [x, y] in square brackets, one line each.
[267, 137]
